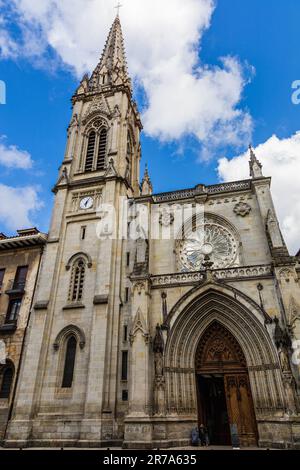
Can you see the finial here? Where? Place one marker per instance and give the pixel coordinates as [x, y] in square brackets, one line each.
[146, 183]
[255, 165]
[117, 7]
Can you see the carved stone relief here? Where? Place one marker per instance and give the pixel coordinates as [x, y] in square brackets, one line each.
[242, 209]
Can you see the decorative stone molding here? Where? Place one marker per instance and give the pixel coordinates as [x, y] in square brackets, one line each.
[100, 299]
[41, 305]
[139, 287]
[201, 189]
[170, 280]
[191, 278]
[166, 218]
[286, 274]
[264, 367]
[246, 272]
[111, 171]
[85, 256]
[242, 209]
[73, 306]
[96, 107]
[139, 326]
[293, 313]
[229, 200]
[68, 331]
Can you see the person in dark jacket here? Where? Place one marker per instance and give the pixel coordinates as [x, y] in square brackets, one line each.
[203, 435]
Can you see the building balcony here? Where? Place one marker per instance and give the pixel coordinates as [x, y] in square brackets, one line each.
[15, 287]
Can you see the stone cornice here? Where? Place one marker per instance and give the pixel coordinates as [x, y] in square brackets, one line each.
[200, 191]
[90, 181]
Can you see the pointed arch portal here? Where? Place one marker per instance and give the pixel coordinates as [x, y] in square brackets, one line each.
[219, 343]
[223, 389]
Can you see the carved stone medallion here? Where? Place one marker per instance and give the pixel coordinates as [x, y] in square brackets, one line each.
[242, 209]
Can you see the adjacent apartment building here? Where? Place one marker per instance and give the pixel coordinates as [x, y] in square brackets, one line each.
[20, 258]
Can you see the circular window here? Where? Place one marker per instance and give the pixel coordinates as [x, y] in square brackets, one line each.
[209, 239]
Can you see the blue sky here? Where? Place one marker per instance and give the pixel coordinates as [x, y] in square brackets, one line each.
[262, 35]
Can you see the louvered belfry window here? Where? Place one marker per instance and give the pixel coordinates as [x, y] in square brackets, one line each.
[77, 281]
[102, 150]
[90, 151]
[69, 363]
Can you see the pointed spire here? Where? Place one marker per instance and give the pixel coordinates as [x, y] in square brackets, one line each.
[147, 187]
[112, 68]
[255, 165]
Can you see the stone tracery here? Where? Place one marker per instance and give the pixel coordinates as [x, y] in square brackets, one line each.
[210, 237]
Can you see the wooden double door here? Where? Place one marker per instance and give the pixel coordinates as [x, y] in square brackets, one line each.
[225, 403]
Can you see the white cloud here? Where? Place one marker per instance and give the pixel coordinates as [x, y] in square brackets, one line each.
[163, 38]
[12, 157]
[8, 47]
[18, 206]
[281, 160]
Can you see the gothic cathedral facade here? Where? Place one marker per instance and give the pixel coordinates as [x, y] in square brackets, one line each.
[133, 342]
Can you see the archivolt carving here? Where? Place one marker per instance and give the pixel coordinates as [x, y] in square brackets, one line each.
[69, 331]
[245, 323]
[218, 345]
[219, 286]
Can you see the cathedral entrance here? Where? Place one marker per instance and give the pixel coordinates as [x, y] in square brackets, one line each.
[223, 388]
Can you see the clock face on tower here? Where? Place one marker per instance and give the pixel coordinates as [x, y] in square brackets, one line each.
[86, 203]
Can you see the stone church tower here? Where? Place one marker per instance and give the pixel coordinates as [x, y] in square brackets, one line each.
[135, 340]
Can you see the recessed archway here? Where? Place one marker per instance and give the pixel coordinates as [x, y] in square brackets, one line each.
[188, 321]
[223, 390]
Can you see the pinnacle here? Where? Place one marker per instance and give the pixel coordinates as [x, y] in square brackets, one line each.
[112, 67]
[255, 165]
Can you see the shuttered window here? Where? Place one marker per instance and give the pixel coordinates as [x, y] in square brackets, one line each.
[102, 150]
[90, 151]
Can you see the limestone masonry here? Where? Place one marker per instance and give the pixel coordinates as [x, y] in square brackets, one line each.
[134, 341]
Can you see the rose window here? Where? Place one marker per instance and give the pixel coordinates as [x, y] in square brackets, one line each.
[211, 239]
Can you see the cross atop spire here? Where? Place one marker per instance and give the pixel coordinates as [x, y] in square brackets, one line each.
[112, 68]
[117, 7]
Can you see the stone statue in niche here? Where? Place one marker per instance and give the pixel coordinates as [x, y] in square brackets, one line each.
[284, 360]
[164, 306]
[158, 349]
[159, 381]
